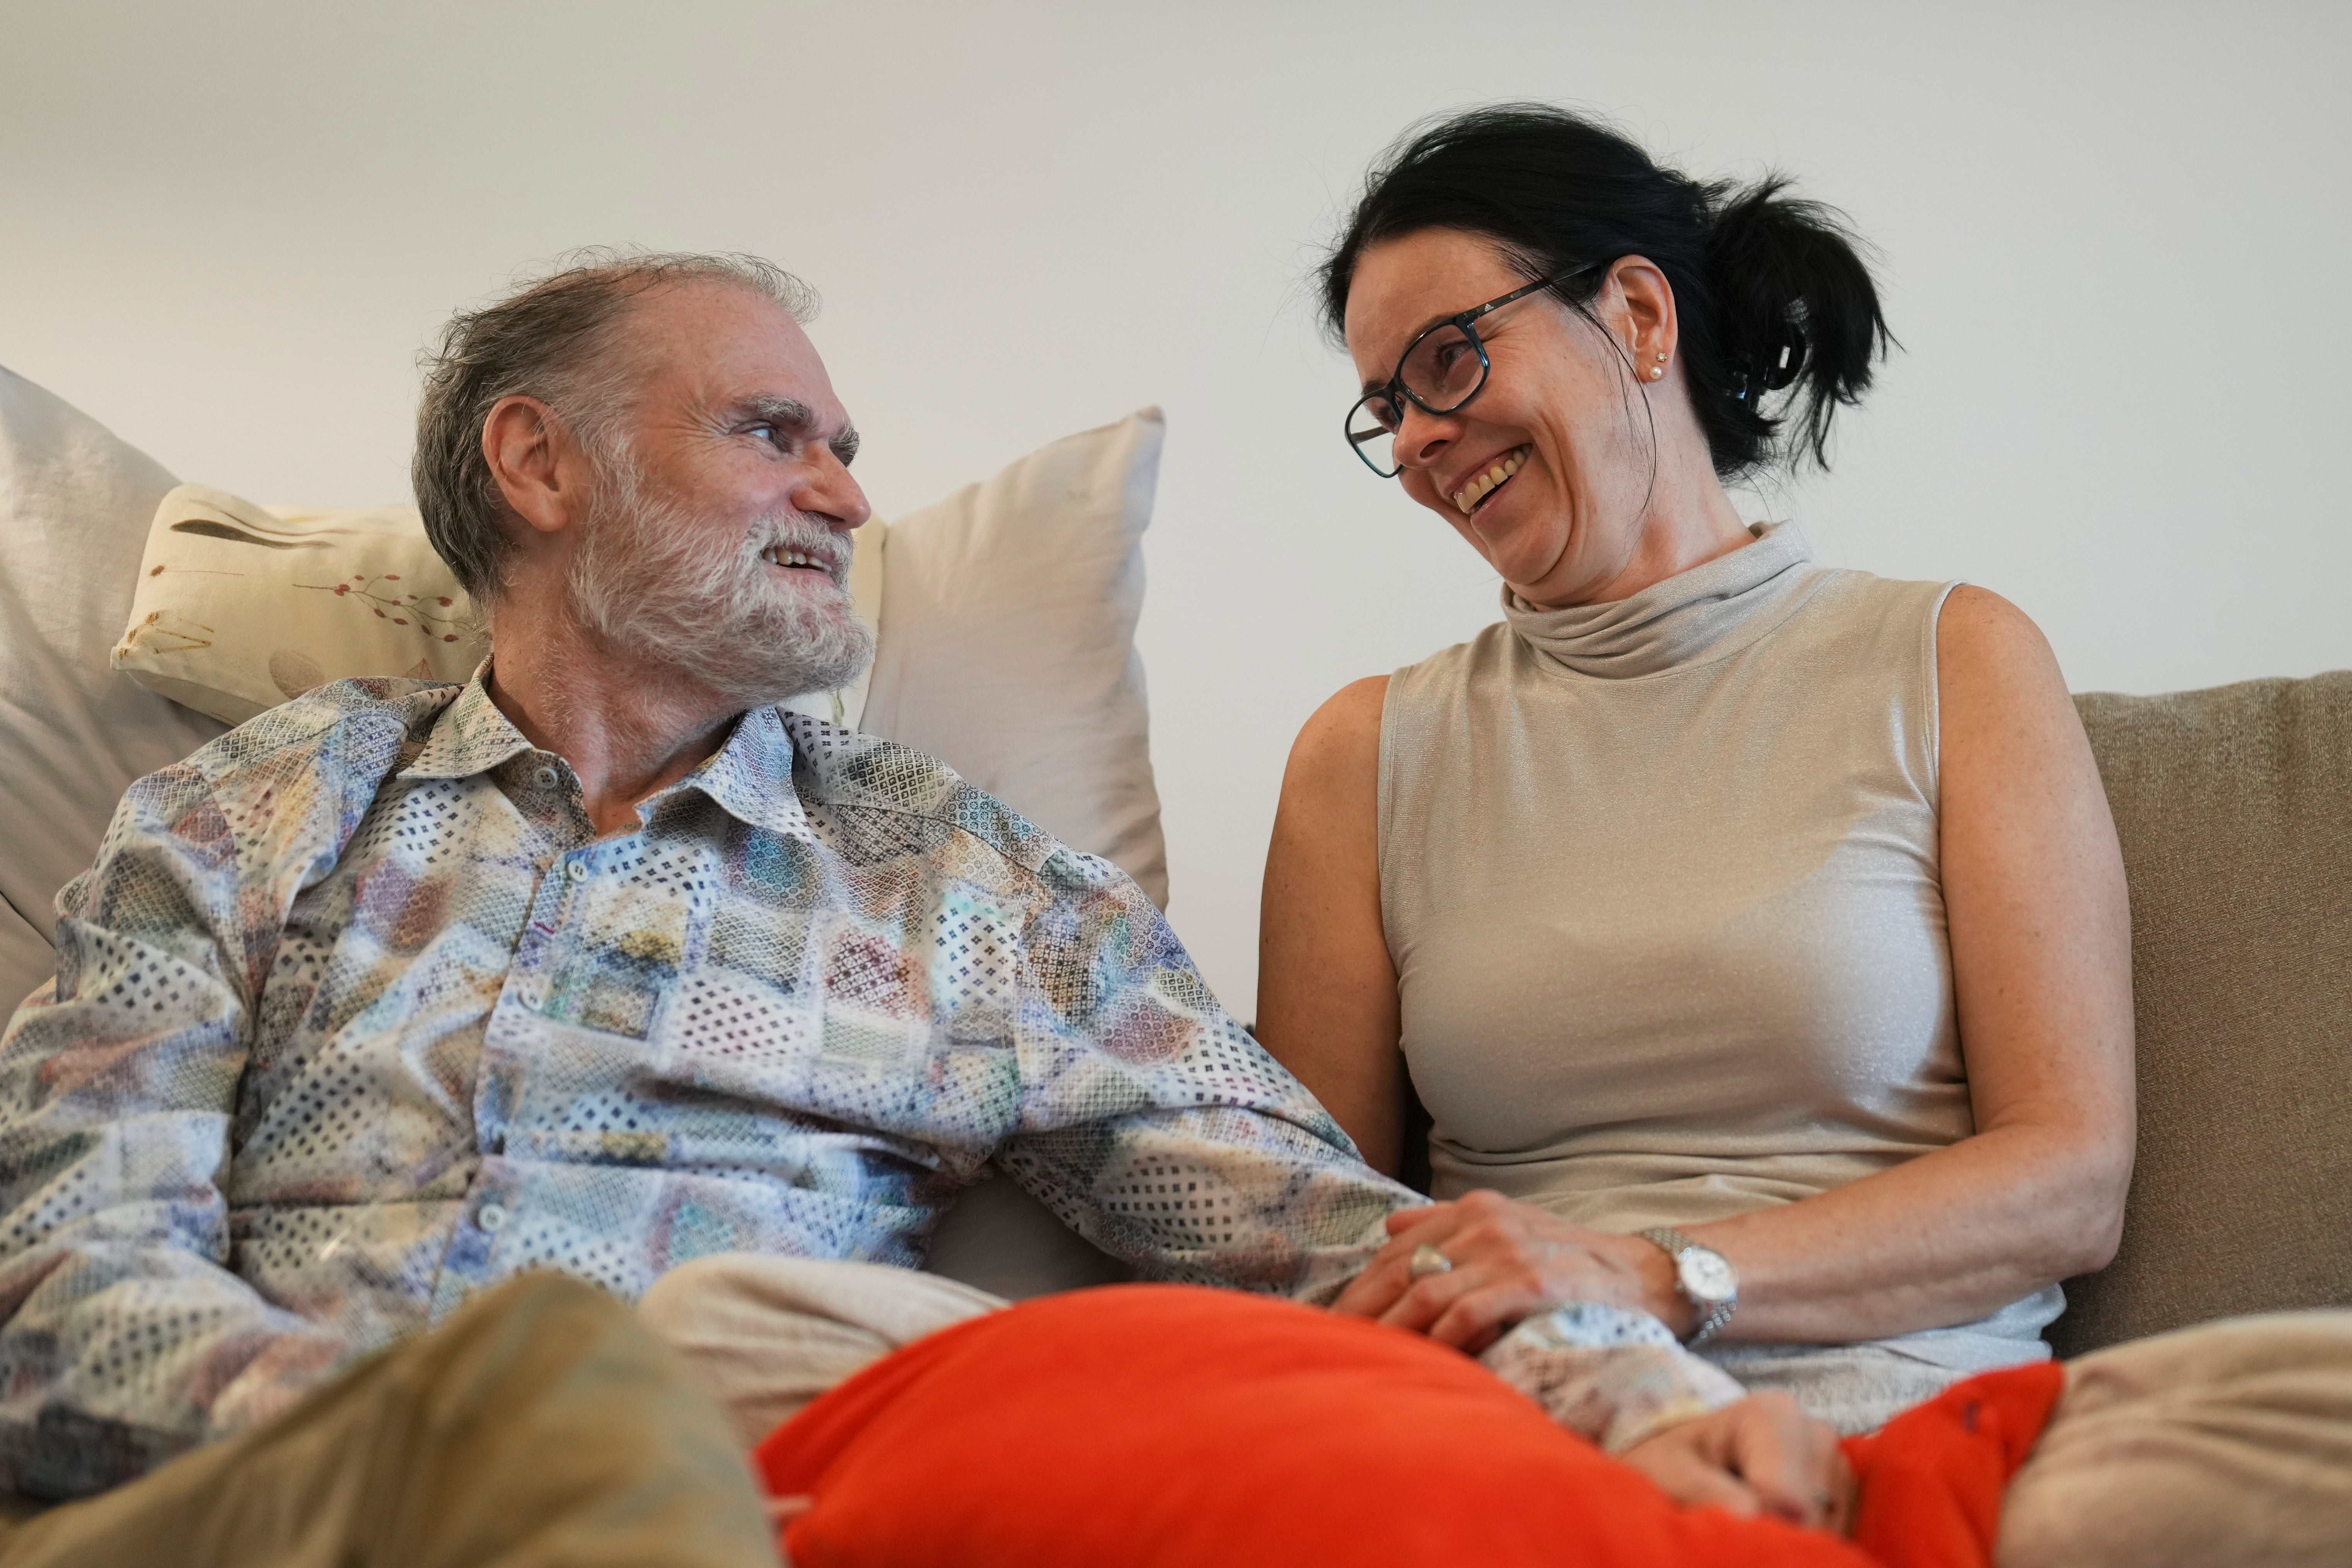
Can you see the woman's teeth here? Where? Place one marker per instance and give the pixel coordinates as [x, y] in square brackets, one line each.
[1469, 497]
[775, 556]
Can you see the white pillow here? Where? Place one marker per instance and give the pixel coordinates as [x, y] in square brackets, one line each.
[1027, 587]
[74, 508]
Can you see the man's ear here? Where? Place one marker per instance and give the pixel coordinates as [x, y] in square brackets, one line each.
[534, 461]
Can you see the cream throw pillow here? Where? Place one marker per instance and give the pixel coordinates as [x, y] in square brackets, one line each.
[240, 607]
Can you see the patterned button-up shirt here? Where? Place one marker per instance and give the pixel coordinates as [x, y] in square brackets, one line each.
[357, 1016]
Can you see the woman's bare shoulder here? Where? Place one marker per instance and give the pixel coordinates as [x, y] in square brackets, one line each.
[1339, 748]
[1980, 626]
[1993, 661]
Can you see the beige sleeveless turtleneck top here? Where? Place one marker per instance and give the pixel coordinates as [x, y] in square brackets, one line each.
[1659, 878]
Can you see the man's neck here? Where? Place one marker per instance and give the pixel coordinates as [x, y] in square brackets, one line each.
[627, 734]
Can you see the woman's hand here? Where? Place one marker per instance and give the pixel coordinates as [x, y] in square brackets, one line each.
[1511, 1260]
[1761, 1456]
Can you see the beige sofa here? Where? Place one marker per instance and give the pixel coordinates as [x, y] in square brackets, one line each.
[2234, 806]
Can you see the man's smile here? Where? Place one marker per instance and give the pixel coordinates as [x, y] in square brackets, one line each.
[777, 556]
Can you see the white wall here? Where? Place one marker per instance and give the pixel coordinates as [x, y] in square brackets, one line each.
[2114, 236]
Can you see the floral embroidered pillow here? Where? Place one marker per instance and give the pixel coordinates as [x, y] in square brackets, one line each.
[240, 607]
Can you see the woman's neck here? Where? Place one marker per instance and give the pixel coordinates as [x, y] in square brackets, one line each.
[1690, 521]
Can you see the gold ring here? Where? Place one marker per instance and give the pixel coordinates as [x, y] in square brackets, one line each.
[1428, 1260]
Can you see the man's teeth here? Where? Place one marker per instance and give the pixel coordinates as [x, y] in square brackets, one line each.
[1471, 494]
[779, 557]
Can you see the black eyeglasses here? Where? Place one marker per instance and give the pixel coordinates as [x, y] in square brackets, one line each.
[1441, 370]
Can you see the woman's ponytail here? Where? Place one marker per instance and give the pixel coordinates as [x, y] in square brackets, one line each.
[1792, 310]
[1779, 321]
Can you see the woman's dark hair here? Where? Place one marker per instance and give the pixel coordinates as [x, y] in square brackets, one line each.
[1771, 291]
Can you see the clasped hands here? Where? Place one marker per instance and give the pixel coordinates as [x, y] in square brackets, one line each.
[1511, 1260]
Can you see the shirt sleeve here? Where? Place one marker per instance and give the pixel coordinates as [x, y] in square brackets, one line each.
[124, 1337]
[1155, 1126]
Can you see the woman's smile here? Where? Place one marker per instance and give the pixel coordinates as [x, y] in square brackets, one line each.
[1474, 492]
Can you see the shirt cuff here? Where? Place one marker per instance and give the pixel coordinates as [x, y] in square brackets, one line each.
[1615, 1376]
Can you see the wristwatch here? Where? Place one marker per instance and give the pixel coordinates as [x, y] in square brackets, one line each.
[1704, 1276]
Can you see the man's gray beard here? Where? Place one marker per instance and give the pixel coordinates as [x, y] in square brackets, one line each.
[698, 607]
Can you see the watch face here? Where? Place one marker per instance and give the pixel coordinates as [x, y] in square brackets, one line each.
[1706, 1275]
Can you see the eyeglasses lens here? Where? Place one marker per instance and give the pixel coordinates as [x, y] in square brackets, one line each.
[1371, 431]
[1442, 371]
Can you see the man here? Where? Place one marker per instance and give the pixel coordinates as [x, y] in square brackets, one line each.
[600, 965]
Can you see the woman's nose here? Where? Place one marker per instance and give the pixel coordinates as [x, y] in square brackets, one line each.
[1420, 436]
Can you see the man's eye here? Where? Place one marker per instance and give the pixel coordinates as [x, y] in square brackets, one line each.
[768, 433]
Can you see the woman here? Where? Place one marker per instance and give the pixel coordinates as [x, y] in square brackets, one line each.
[1757, 931]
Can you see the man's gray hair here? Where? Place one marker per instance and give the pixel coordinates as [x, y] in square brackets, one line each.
[551, 340]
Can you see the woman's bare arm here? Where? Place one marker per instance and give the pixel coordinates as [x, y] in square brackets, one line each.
[2040, 938]
[1326, 994]
[2041, 935]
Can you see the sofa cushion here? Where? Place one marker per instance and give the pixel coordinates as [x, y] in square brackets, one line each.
[2234, 806]
[74, 507]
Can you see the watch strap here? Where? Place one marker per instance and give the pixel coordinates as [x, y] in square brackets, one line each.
[1712, 1315]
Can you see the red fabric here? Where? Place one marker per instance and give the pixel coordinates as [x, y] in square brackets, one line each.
[1932, 1478]
[1161, 1426]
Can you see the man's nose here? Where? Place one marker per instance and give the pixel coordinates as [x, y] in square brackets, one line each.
[836, 493]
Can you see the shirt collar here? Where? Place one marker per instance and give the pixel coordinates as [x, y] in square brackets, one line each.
[470, 737]
[750, 777]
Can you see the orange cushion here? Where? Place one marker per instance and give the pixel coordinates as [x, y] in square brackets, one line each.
[1154, 1425]
[1932, 1478]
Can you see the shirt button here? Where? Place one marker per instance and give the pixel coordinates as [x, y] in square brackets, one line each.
[577, 870]
[543, 777]
[533, 995]
[491, 1218]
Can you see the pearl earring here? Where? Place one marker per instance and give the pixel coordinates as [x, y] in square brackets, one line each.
[1656, 371]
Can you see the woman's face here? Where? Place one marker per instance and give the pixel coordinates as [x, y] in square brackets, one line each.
[1559, 399]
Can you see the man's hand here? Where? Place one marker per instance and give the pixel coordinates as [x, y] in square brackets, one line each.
[1761, 1456]
[1511, 1260]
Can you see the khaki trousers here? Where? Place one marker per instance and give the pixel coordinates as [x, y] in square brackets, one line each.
[769, 1334]
[2228, 1444]
[540, 1426]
